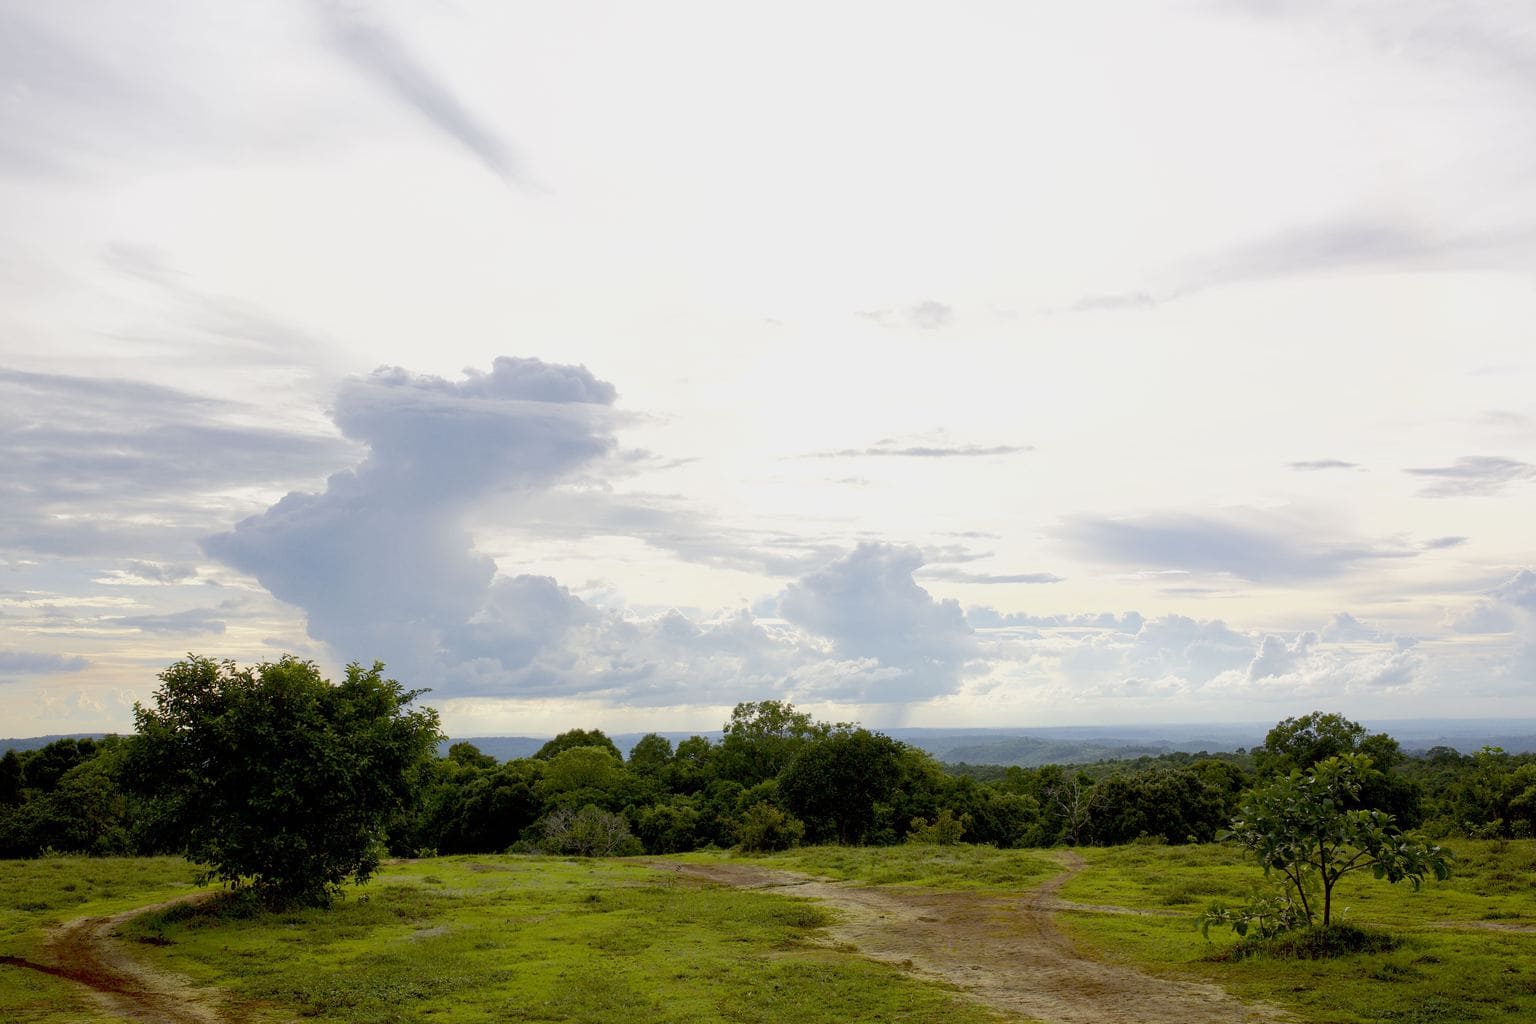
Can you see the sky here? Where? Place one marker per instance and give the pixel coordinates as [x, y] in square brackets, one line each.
[607, 364]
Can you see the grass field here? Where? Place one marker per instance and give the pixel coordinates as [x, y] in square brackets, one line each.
[1449, 967]
[544, 939]
[550, 939]
[981, 868]
[37, 894]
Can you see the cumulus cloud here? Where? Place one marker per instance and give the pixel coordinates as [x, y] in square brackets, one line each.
[381, 561]
[1275, 657]
[1482, 617]
[1519, 590]
[1108, 658]
[1473, 476]
[870, 607]
[1251, 546]
[1345, 628]
[983, 617]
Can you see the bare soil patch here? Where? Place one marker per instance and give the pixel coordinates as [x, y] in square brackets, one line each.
[1003, 951]
[86, 952]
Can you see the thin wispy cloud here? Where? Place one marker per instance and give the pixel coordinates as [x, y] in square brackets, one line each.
[928, 315]
[1113, 302]
[1316, 464]
[1252, 547]
[1473, 476]
[35, 663]
[922, 451]
[380, 56]
[192, 621]
[960, 576]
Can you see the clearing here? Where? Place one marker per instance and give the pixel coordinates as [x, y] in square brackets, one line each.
[1004, 952]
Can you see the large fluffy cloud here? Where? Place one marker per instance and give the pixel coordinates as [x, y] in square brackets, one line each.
[381, 561]
[384, 565]
[872, 611]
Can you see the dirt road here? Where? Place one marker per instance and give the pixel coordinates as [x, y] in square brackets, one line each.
[1005, 952]
[84, 951]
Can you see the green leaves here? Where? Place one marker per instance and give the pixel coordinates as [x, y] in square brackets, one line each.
[274, 777]
[1298, 826]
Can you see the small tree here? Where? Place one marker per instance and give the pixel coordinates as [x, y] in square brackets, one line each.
[273, 777]
[946, 830]
[589, 832]
[1299, 826]
[764, 828]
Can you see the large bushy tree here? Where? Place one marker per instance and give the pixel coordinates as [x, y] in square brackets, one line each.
[273, 777]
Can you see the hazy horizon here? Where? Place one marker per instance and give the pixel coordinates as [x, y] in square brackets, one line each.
[604, 366]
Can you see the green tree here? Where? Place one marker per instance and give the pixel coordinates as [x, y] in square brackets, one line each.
[764, 828]
[577, 738]
[585, 775]
[761, 739]
[10, 779]
[589, 832]
[1302, 826]
[467, 755]
[489, 809]
[1303, 742]
[274, 778]
[834, 784]
[651, 756]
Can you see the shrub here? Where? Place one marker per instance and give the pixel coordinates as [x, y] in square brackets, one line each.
[946, 829]
[1328, 943]
[589, 832]
[764, 828]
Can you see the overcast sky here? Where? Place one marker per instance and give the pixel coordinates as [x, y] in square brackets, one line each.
[607, 364]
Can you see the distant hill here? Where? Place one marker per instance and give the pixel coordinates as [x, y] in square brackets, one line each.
[33, 742]
[1070, 744]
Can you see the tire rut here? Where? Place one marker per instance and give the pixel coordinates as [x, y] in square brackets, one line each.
[86, 952]
[1004, 952]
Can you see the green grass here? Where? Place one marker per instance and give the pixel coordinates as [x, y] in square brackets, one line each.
[541, 939]
[548, 939]
[1438, 973]
[38, 894]
[931, 867]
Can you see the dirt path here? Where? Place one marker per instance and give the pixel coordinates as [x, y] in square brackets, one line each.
[1002, 951]
[84, 951]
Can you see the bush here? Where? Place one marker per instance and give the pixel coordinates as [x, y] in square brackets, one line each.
[1328, 943]
[946, 830]
[764, 828]
[589, 832]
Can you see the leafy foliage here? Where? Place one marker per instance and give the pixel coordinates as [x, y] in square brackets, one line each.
[835, 783]
[589, 832]
[275, 778]
[1301, 827]
[946, 830]
[765, 828]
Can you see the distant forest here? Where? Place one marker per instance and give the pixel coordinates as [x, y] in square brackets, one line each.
[776, 777]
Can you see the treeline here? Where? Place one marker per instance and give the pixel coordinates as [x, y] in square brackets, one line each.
[777, 778]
